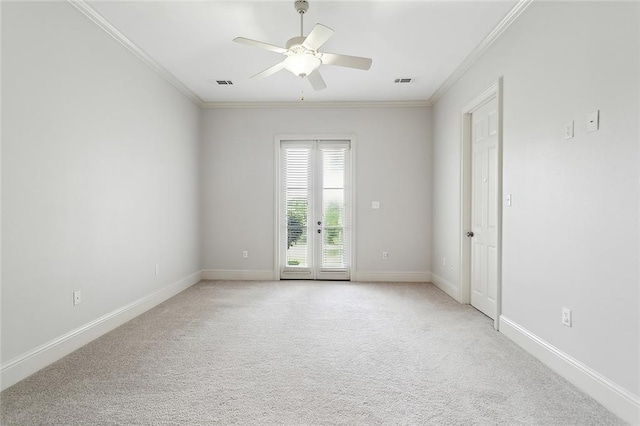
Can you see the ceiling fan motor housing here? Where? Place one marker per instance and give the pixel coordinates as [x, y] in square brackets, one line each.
[295, 42]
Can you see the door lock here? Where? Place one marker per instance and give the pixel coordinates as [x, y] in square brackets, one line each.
[470, 234]
[319, 231]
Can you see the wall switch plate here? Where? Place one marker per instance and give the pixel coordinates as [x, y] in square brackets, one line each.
[77, 298]
[385, 255]
[444, 261]
[375, 204]
[593, 121]
[508, 200]
[245, 254]
[566, 317]
[157, 269]
[568, 130]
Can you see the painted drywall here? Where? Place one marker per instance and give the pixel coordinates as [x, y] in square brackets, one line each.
[99, 176]
[393, 155]
[571, 237]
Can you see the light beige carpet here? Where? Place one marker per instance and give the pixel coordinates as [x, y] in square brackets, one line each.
[300, 352]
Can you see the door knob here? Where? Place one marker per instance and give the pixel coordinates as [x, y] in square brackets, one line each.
[319, 223]
[319, 231]
[470, 234]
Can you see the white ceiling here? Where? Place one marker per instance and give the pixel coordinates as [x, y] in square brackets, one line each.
[423, 40]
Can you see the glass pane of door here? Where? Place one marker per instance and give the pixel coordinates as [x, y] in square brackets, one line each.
[333, 253]
[297, 191]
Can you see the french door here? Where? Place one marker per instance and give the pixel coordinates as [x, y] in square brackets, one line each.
[315, 209]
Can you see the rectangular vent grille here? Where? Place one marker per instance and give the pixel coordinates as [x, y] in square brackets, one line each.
[224, 82]
[403, 80]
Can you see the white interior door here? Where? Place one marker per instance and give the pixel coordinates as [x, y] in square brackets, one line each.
[484, 208]
[314, 210]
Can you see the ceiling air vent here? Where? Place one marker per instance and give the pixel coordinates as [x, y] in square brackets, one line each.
[224, 82]
[402, 80]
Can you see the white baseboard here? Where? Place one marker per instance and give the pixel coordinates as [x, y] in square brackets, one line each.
[237, 275]
[267, 275]
[619, 401]
[392, 276]
[446, 287]
[25, 365]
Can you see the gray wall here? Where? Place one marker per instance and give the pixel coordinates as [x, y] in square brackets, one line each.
[571, 237]
[392, 166]
[99, 176]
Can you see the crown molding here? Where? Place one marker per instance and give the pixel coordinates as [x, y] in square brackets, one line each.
[480, 49]
[99, 20]
[302, 104]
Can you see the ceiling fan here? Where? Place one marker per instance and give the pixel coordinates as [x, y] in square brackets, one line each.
[302, 56]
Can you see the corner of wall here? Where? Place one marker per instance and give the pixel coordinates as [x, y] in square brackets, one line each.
[450, 289]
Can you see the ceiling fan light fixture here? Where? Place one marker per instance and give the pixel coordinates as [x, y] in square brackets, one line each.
[302, 64]
[302, 56]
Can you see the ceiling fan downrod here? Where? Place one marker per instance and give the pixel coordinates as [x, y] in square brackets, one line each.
[301, 6]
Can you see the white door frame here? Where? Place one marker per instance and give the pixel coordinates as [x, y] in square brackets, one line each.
[493, 91]
[277, 248]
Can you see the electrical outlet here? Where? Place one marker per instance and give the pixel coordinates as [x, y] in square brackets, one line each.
[77, 298]
[245, 254]
[385, 255]
[157, 269]
[566, 317]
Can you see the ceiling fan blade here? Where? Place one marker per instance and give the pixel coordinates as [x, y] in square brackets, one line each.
[316, 38]
[270, 71]
[316, 80]
[346, 61]
[255, 43]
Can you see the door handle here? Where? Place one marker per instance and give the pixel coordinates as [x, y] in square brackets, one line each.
[319, 223]
[470, 234]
